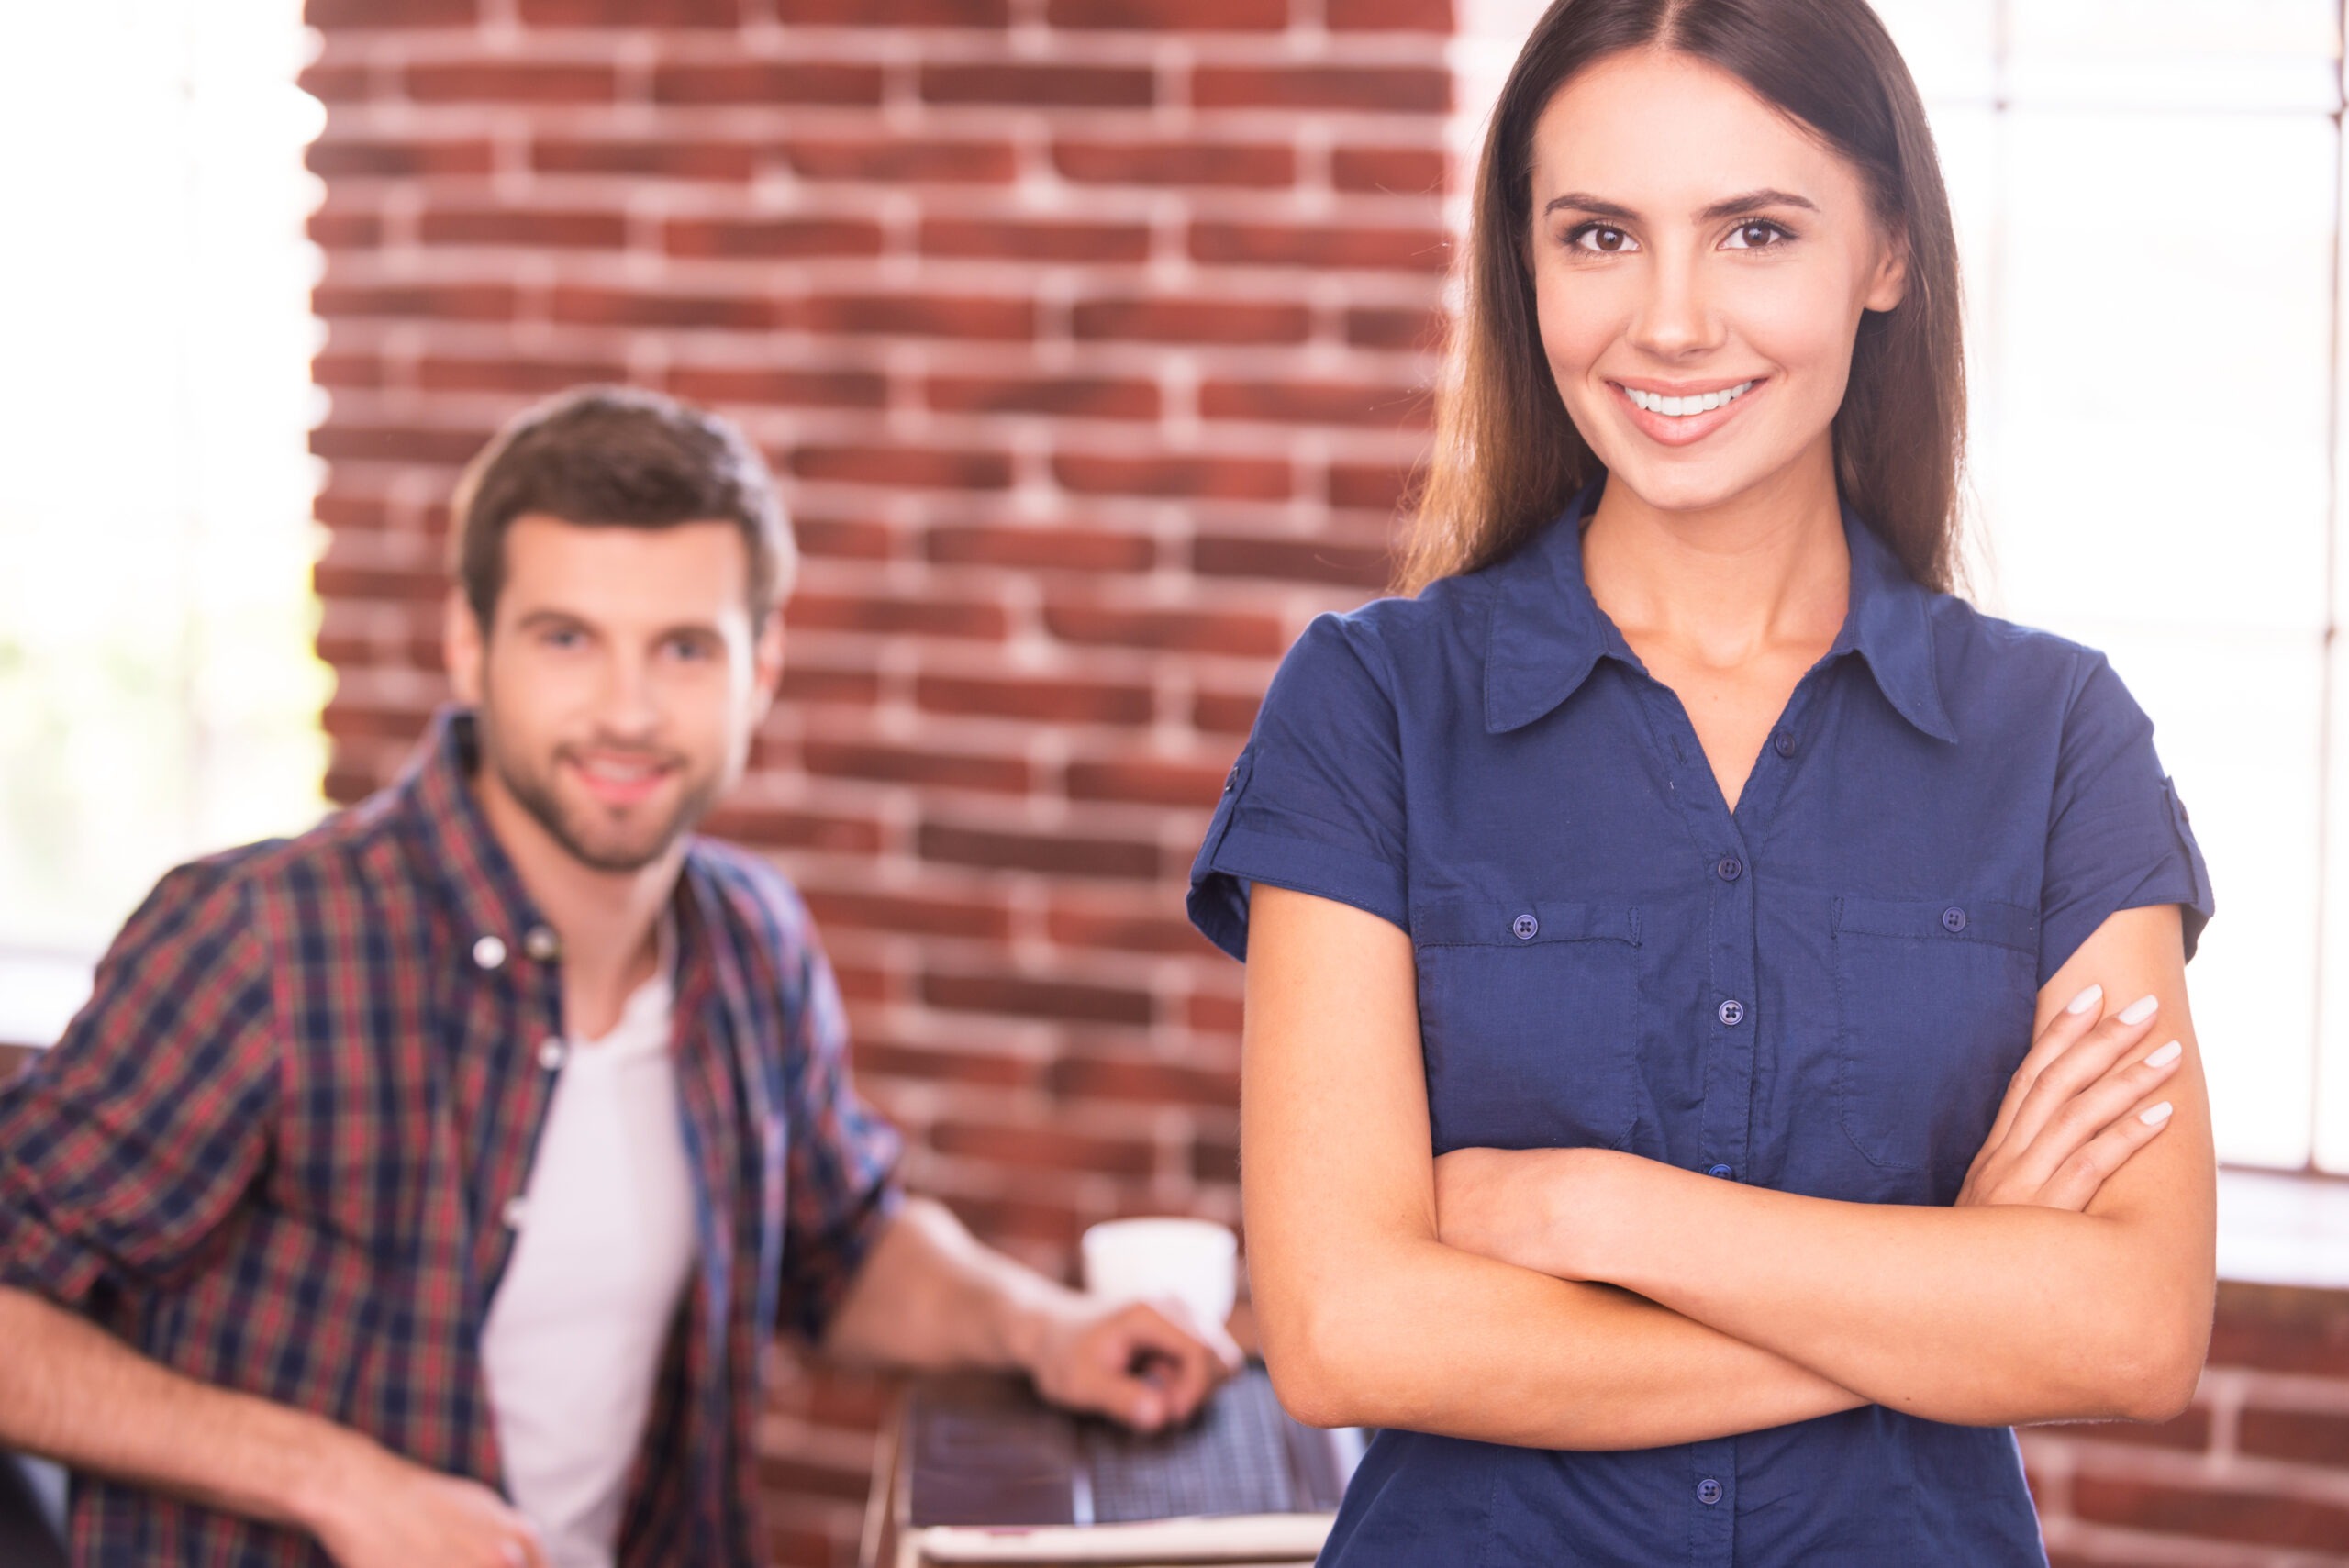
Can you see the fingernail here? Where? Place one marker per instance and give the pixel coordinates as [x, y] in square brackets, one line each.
[2156, 1115]
[2165, 1056]
[2085, 1000]
[2138, 1011]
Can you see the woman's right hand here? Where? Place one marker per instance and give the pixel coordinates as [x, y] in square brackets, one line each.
[2072, 1115]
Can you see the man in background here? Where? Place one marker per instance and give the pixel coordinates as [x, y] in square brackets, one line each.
[424, 1190]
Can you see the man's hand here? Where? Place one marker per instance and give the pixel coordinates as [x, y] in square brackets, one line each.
[2071, 1117]
[1147, 1364]
[374, 1509]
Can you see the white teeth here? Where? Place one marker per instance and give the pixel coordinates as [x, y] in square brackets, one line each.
[1680, 407]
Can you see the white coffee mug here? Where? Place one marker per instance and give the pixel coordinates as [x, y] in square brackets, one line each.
[1195, 1261]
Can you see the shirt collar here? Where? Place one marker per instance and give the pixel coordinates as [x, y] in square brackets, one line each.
[496, 916]
[1548, 633]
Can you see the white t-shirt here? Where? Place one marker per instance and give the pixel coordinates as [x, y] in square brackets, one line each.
[604, 1247]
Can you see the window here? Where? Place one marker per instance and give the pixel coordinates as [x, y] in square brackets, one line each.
[2148, 201]
[158, 693]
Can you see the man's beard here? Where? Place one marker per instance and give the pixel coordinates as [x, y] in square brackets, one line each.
[535, 793]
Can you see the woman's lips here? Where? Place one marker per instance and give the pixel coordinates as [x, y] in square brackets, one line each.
[1680, 430]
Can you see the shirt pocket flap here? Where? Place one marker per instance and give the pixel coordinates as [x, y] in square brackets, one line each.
[1955, 919]
[1478, 922]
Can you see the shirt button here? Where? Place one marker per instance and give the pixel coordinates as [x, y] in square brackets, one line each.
[1719, 1170]
[550, 1054]
[514, 1212]
[1709, 1491]
[1952, 920]
[1732, 1012]
[1525, 928]
[542, 944]
[1729, 868]
[1783, 742]
[489, 952]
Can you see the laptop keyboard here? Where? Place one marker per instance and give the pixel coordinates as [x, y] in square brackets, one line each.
[1232, 1460]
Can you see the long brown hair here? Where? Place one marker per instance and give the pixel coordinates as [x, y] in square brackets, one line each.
[1508, 458]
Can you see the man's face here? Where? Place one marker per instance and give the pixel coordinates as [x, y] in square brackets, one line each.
[618, 682]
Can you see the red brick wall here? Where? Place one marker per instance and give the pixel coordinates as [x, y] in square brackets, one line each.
[1085, 336]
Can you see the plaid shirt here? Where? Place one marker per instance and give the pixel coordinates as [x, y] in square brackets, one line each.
[273, 1150]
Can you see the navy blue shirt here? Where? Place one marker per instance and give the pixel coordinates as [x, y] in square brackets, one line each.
[1823, 992]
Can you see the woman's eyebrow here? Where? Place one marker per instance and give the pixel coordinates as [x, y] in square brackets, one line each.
[1583, 201]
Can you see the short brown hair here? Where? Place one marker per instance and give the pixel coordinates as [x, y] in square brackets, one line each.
[616, 457]
[1508, 457]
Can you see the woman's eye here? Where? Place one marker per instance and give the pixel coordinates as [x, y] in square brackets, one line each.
[1758, 235]
[1606, 240]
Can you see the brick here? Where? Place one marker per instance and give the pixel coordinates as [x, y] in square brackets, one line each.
[517, 82]
[803, 681]
[771, 238]
[1387, 16]
[1027, 997]
[802, 82]
[1213, 1014]
[2180, 1509]
[1377, 89]
[1412, 331]
[537, 377]
[1166, 320]
[333, 158]
[332, 369]
[1323, 246]
[431, 302]
[1316, 403]
[1056, 855]
[1045, 1148]
[343, 228]
[1040, 86]
[991, 319]
[1040, 700]
[1143, 1079]
[776, 827]
[922, 616]
[1042, 549]
[394, 443]
[2280, 1328]
[589, 305]
[1088, 397]
[895, 13]
[1292, 560]
[915, 467]
[2312, 1437]
[1171, 15]
[1376, 487]
[1005, 240]
[1402, 170]
[956, 1066]
[1197, 478]
[1179, 631]
[1051, 1223]
[1147, 781]
[897, 161]
[366, 16]
[659, 14]
[1238, 166]
[1215, 1160]
[1216, 712]
[929, 916]
[335, 84]
[726, 162]
[1075, 920]
[780, 387]
[855, 538]
[903, 765]
[533, 228]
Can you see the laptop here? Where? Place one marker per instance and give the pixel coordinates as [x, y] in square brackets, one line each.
[993, 1474]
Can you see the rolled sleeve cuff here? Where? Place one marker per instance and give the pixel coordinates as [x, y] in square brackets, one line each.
[1218, 897]
[36, 1257]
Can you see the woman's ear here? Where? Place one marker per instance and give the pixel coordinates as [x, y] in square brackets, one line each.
[1889, 285]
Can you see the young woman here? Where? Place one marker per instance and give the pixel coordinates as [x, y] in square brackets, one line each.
[1716, 1038]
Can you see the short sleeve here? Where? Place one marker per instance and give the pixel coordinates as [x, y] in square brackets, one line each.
[1315, 803]
[841, 1170]
[2117, 834]
[126, 1146]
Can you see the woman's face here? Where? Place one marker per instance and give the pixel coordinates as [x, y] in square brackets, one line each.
[1688, 241]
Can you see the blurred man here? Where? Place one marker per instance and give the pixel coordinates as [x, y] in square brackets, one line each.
[424, 1190]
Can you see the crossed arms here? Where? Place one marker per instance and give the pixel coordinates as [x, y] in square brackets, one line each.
[1586, 1299]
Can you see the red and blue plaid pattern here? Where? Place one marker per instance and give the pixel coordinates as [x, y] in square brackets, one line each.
[273, 1151]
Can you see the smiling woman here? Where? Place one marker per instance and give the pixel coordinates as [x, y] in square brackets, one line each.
[1683, 893]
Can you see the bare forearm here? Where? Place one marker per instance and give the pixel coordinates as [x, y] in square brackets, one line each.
[931, 1295]
[1984, 1316]
[73, 1393]
[1432, 1339]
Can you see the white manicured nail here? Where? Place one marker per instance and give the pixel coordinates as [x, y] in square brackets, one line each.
[2165, 1056]
[2085, 1000]
[2156, 1115]
[2138, 1011]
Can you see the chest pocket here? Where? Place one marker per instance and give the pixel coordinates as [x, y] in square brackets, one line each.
[1526, 1021]
[1935, 1000]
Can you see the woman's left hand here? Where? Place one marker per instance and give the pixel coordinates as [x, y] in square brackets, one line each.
[1519, 1206]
